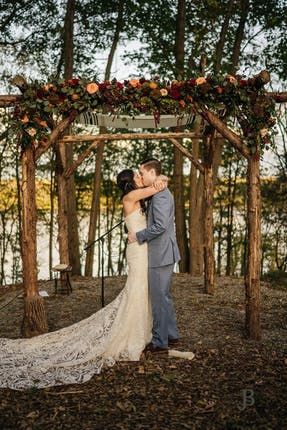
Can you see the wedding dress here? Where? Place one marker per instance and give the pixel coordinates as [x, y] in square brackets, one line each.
[118, 332]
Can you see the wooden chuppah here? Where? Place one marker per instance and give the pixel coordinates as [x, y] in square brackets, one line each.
[34, 319]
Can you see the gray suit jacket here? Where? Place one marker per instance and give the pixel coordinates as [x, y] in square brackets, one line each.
[160, 233]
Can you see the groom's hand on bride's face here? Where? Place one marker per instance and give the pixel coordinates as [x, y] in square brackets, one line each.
[132, 237]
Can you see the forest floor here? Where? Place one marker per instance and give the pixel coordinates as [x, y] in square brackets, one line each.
[232, 383]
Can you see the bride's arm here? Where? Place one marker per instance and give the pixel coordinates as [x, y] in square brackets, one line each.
[142, 193]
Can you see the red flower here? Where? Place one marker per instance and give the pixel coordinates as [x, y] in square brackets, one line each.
[62, 97]
[219, 90]
[174, 93]
[73, 81]
[243, 82]
[104, 85]
[119, 85]
[40, 94]
[192, 81]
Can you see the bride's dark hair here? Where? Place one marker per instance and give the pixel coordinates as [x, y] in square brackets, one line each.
[126, 182]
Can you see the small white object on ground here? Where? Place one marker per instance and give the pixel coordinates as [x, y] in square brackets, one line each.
[181, 354]
[43, 293]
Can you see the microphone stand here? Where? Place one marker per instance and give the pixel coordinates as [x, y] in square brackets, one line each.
[101, 239]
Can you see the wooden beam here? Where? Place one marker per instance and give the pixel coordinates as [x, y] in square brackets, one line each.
[188, 154]
[58, 130]
[9, 100]
[222, 128]
[278, 97]
[128, 136]
[70, 170]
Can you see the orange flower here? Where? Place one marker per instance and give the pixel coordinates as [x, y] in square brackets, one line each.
[134, 83]
[182, 103]
[25, 119]
[231, 79]
[46, 87]
[153, 85]
[164, 92]
[75, 97]
[43, 123]
[92, 88]
[201, 80]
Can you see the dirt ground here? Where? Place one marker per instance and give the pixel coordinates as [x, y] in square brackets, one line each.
[232, 383]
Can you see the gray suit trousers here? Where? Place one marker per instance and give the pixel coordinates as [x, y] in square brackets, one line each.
[164, 320]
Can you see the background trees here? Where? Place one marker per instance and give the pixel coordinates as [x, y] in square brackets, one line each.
[176, 40]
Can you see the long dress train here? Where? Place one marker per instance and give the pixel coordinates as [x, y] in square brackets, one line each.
[117, 332]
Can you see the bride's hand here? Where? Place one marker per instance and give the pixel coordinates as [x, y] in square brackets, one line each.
[160, 183]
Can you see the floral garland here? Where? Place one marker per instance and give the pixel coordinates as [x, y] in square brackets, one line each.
[34, 114]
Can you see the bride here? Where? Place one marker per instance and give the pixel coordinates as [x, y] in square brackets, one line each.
[118, 332]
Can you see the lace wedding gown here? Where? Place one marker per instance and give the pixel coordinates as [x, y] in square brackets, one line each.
[117, 332]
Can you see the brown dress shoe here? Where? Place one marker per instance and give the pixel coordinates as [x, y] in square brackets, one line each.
[173, 342]
[158, 350]
[155, 349]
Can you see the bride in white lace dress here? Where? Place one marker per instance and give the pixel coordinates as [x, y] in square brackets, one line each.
[119, 331]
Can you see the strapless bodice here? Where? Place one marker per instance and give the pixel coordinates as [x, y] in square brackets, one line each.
[136, 221]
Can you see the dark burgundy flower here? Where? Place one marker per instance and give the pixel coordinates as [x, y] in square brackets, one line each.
[62, 97]
[192, 81]
[73, 81]
[243, 82]
[40, 94]
[174, 92]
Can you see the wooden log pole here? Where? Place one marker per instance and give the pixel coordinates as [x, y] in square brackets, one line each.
[127, 136]
[252, 276]
[34, 320]
[208, 238]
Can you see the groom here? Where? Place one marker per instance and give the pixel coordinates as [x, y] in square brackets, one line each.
[163, 253]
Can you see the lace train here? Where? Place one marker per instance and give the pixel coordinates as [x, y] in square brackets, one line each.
[118, 332]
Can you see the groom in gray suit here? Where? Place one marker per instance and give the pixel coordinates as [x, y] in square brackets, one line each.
[163, 253]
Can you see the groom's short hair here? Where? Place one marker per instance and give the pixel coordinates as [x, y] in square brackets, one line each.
[152, 163]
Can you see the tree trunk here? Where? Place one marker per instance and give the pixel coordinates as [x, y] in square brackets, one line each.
[209, 266]
[34, 320]
[52, 210]
[73, 234]
[219, 243]
[245, 6]
[95, 206]
[180, 210]
[178, 156]
[221, 42]
[179, 40]
[195, 216]
[252, 277]
[232, 188]
[62, 204]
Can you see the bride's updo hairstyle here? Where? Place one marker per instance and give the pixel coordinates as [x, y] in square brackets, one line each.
[125, 181]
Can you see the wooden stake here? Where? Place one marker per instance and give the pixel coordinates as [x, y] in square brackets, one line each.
[208, 234]
[34, 320]
[252, 277]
